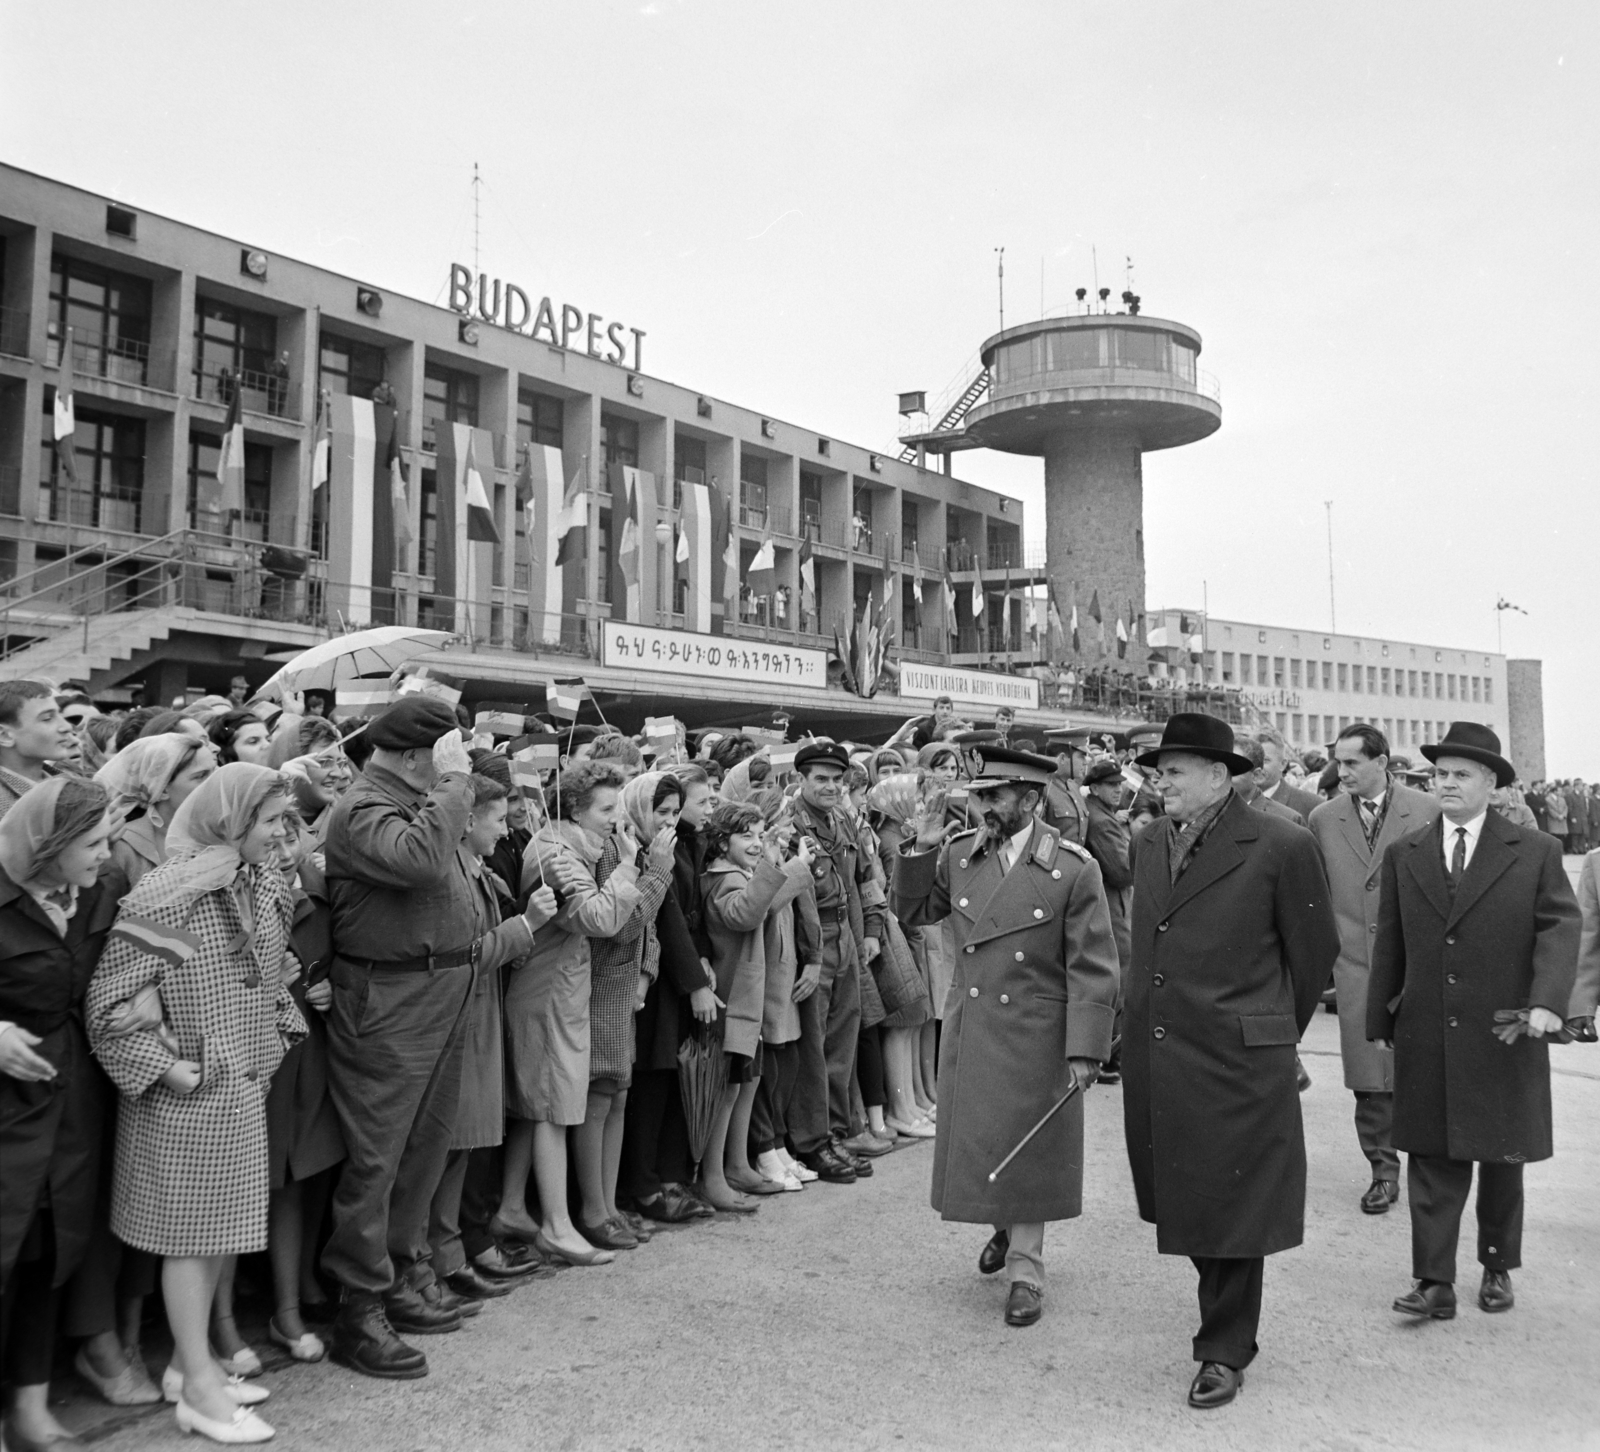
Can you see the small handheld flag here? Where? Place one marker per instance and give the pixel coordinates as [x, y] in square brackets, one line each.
[565, 698]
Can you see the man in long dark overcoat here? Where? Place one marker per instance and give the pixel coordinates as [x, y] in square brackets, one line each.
[1233, 940]
[1029, 1014]
[1472, 966]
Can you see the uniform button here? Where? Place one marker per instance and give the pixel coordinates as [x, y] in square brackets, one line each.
[962, 903]
[1005, 998]
[972, 993]
[1021, 956]
[1449, 977]
[1161, 1033]
[1038, 912]
[249, 1073]
[1451, 941]
[962, 863]
[1372, 887]
[1493, 1251]
[1161, 927]
[1159, 979]
[1372, 927]
[970, 948]
[1056, 873]
[1453, 1022]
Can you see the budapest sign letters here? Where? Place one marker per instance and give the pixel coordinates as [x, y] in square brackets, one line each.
[511, 308]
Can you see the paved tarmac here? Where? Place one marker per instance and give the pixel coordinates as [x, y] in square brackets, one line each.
[846, 1318]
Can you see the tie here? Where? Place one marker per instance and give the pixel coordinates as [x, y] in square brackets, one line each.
[1458, 859]
[1369, 819]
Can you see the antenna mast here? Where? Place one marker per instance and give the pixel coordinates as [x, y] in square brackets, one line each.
[477, 182]
[1000, 252]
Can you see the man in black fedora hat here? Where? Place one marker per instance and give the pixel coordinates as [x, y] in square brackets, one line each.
[1233, 938]
[1029, 1015]
[1472, 967]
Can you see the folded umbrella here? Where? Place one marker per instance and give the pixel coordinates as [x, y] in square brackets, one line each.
[1518, 1017]
[702, 1075]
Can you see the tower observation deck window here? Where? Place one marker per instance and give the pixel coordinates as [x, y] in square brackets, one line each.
[1141, 350]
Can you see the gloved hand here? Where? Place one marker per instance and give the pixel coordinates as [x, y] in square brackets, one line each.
[450, 754]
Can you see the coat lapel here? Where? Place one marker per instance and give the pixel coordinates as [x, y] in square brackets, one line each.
[1219, 855]
[1494, 855]
[1350, 825]
[1012, 897]
[1425, 862]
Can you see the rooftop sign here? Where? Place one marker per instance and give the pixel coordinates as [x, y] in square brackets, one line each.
[509, 307]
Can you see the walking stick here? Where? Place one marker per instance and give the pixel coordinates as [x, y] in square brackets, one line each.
[1023, 1142]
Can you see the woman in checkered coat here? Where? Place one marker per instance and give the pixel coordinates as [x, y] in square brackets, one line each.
[210, 926]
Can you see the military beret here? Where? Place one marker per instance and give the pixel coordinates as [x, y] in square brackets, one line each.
[827, 753]
[1102, 771]
[995, 766]
[413, 723]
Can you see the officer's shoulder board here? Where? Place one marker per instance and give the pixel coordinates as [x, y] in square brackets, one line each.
[1048, 842]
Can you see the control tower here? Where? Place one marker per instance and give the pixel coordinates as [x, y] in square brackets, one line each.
[1092, 393]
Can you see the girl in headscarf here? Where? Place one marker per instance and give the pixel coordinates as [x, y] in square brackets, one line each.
[240, 736]
[622, 968]
[149, 779]
[308, 750]
[211, 926]
[58, 896]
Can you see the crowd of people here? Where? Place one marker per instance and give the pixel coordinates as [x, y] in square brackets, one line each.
[352, 994]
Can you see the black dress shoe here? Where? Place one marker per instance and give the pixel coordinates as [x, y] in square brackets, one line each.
[1302, 1082]
[1381, 1194]
[1432, 1300]
[411, 1313]
[668, 1206]
[1024, 1305]
[471, 1286]
[1214, 1385]
[859, 1163]
[1495, 1292]
[1109, 1076]
[363, 1340]
[993, 1256]
[443, 1298]
[828, 1166]
[511, 1261]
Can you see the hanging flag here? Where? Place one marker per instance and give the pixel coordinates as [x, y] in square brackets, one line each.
[323, 447]
[721, 586]
[399, 504]
[1122, 639]
[730, 574]
[572, 525]
[1094, 608]
[697, 529]
[681, 554]
[540, 496]
[762, 576]
[916, 599]
[977, 595]
[1076, 644]
[808, 577]
[564, 698]
[65, 421]
[1033, 617]
[480, 514]
[952, 623]
[1058, 631]
[628, 548]
[230, 465]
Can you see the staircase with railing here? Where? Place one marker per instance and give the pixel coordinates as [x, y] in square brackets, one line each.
[950, 419]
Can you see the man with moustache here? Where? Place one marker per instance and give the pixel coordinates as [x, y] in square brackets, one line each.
[1233, 938]
[1029, 1016]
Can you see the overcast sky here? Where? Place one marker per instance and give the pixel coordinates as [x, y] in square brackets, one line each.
[1381, 218]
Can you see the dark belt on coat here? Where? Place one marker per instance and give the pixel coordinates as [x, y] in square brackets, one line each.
[428, 963]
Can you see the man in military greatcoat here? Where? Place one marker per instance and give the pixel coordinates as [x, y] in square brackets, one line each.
[1472, 967]
[1233, 940]
[1354, 830]
[1029, 1015]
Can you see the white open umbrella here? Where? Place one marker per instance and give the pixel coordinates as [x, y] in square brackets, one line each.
[347, 658]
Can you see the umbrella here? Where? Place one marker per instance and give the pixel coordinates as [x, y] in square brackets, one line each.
[702, 1073]
[347, 658]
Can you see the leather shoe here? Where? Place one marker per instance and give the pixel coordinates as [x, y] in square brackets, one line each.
[363, 1340]
[1214, 1385]
[868, 1144]
[1109, 1076]
[410, 1313]
[608, 1235]
[859, 1163]
[1302, 1083]
[1024, 1305]
[1432, 1300]
[439, 1295]
[471, 1286]
[669, 1207]
[1495, 1292]
[509, 1262]
[1381, 1194]
[993, 1256]
[828, 1166]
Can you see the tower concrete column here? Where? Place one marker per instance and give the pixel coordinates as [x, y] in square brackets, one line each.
[1094, 527]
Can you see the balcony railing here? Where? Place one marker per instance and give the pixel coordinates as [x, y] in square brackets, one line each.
[272, 394]
[751, 517]
[1014, 555]
[107, 507]
[14, 331]
[116, 359]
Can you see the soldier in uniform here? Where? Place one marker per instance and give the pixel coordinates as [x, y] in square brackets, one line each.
[1029, 1015]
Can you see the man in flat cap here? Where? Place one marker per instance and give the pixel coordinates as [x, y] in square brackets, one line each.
[1029, 1016]
[850, 905]
[1472, 968]
[406, 954]
[1233, 939]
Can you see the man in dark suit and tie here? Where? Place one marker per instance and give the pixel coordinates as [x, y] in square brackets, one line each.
[1354, 830]
[1472, 966]
[1251, 785]
[1273, 782]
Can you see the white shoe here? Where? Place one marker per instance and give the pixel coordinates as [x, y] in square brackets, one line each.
[243, 1362]
[795, 1168]
[243, 1426]
[792, 1183]
[912, 1129]
[242, 1391]
[771, 1166]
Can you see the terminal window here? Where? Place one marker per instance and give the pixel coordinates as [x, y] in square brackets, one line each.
[1261, 671]
[1244, 670]
[1141, 350]
[1277, 671]
[1488, 690]
[1385, 676]
[540, 419]
[236, 346]
[1227, 667]
[346, 366]
[619, 440]
[1078, 349]
[811, 503]
[1372, 680]
[1327, 675]
[1294, 674]
[1477, 688]
[109, 314]
[109, 452]
[1344, 676]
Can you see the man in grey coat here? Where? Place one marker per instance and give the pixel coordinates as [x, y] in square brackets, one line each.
[1354, 831]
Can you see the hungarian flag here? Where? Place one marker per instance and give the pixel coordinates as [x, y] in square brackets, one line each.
[565, 697]
[680, 555]
[173, 946]
[1058, 631]
[916, 598]
[572, 524]
[1122, 638]
[952, 625]
[762, 576]
[1094, 608]
[480, 514]
[730, 570]
[498, 723]
[230, 466]
[398, 504]
[696, 530]
[1077, 645]
[808, 578]
[628, 549]
[1033, 617]
[65, 419]
[322, 449]
[977, 593]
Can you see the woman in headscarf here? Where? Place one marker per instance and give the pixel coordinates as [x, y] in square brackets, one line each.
[240, 736]
[308, 750]
[58, 897]
[621, 969]
[149, 779]
[547, 1002]
[211, 926]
